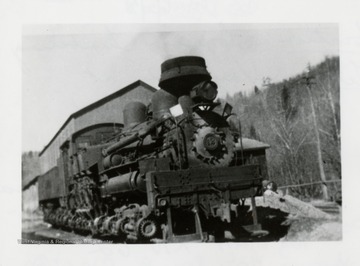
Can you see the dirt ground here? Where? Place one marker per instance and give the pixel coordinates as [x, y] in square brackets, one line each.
[290, 219]
[307, 229]
[285, 218]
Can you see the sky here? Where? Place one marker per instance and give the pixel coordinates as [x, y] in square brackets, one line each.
[67, 67]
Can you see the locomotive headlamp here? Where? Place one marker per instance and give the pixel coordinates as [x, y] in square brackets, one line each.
[162, 202]
[205, 91]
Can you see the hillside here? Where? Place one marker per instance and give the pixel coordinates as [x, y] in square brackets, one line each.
[300, 118]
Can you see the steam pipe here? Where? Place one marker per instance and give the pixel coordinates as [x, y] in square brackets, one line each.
[142, 133]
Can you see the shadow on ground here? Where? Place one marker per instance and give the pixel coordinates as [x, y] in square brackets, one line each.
[273, 221]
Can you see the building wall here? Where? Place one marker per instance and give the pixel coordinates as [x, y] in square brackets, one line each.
[30, 167]
[49, 158]
[30, 198]
[112, 111]
[109, 112]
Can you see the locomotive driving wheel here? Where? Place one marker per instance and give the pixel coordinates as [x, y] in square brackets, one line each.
[120, 226]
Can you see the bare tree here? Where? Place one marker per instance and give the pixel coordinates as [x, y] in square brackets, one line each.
[301, 122]
[308, 85]
[289, 134]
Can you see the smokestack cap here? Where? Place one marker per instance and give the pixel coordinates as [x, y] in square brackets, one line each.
[181, 68]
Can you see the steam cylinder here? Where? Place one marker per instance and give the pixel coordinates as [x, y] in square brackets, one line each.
[124, 183]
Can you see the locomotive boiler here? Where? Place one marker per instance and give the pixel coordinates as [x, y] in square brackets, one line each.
[177, 171]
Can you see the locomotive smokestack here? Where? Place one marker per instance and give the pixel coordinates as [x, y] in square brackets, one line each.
[134, 113]
[179, 75]
[161, 103]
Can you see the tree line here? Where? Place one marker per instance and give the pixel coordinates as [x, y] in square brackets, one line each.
[300, 118]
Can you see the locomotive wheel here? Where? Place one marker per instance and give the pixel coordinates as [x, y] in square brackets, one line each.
[119, 226]
[97, 226]
[107, 225]
[147, 228]
[64, 221]
[72, 222]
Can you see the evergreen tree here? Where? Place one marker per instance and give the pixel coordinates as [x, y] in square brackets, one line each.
[253, 134]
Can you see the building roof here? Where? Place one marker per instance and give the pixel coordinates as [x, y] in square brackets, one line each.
[251, 144]
[99, 103]
[29, 182]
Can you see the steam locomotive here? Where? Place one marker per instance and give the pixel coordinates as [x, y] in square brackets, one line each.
[178, 171]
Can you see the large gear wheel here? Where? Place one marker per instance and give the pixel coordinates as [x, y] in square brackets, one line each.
[213, 147]
[147, 228]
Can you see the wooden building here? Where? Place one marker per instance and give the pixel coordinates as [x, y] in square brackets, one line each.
[108, 110]
[105, 110]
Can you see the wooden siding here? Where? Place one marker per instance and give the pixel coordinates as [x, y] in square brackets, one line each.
[107, 110]
[112, 111]
[49, 158]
